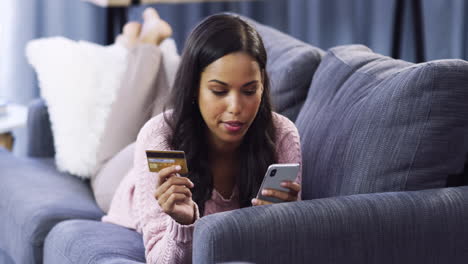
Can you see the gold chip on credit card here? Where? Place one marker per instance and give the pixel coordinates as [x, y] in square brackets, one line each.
[158, 160]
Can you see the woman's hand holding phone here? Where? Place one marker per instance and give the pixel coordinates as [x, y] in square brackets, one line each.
[174, 196]
[278, 184]
[291, 196]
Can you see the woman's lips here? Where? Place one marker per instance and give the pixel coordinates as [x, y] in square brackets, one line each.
[233, 126]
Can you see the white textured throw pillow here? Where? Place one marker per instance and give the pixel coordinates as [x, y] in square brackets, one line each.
[79, 82]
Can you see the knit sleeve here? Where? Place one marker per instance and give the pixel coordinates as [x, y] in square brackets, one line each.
[288, 144]
[165, 240]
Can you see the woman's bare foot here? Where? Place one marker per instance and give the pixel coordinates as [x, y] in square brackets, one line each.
[129, 36]
[154, 29]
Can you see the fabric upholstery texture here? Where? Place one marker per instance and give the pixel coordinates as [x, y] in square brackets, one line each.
[427, 226]
[39, 128]
[378, 124]
[33, 198]
[84, 241]
[291, 65]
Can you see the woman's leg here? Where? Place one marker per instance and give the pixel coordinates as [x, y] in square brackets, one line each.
[143, 91]
[154, 30]
[129, 36]
[144, 41]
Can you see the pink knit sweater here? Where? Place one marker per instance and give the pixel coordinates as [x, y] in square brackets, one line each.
[135, 207]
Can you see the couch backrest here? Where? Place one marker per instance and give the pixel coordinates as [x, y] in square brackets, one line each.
[40, 142]
[373, 124]
[291, 66]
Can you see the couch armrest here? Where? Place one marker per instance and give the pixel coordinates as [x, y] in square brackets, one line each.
[88, 241]
[429, 226]
[40, 138]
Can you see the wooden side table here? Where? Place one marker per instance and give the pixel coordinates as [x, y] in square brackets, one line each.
[15, 117]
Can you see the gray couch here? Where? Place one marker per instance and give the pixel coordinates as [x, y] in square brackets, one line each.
[384, 147]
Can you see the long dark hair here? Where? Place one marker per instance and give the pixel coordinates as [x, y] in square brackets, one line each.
[213, 38]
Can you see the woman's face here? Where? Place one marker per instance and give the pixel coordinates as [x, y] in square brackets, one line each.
[229, 96]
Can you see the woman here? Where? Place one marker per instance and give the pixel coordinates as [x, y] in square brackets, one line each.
[220, 115]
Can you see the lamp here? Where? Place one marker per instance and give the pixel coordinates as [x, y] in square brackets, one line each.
[122, 3]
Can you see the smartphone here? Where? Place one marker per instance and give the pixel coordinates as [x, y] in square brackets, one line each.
[275, 175]
[158, 160]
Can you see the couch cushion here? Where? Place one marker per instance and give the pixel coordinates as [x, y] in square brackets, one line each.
[373, 124]
[291, 65]
[33, 198]
[84, 241]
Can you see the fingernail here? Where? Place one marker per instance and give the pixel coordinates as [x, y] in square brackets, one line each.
[254, 201]
[284, 184]
[178, 167]
[265, 192]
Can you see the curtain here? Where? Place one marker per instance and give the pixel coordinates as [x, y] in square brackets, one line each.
[446, 29]
[29, 19]
[23, 20]
[328, 23]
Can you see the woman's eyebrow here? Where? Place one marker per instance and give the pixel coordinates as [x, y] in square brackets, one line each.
[225, 84]
[220, 82]
[249, 83]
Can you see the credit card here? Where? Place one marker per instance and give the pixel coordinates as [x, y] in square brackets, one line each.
[158, 160]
